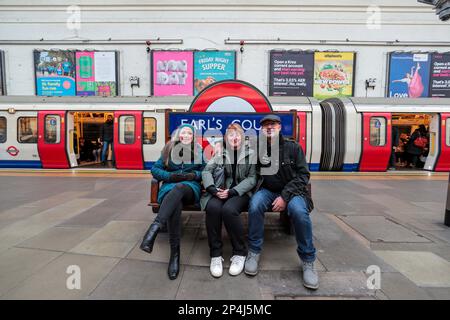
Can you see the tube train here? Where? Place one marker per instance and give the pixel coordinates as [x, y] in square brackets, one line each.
[337, 134]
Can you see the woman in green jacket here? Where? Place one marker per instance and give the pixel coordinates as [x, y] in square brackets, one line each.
[225, 200]
[179, 167]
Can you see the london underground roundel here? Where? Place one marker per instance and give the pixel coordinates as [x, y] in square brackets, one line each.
[230, 96]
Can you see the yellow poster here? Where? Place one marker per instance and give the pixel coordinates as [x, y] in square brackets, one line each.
[333, 74]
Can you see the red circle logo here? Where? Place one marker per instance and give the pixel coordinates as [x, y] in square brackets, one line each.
[13, 151]
[230, 96]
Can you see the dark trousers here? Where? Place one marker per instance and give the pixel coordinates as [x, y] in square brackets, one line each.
[228, 211]
[170, 210]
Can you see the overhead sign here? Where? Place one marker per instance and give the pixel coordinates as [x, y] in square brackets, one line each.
[219, 121]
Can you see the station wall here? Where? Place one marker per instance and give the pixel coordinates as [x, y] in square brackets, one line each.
[207, 24]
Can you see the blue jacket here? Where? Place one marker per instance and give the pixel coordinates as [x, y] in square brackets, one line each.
[161, 173]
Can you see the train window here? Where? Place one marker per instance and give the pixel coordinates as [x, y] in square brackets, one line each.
[377, 131]
[447, 126]
[2, 129]
[52, 132]
[27, 130]
[149, 130]
[127, 128]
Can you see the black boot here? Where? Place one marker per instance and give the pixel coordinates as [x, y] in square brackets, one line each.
[149, 238]
[174, 262]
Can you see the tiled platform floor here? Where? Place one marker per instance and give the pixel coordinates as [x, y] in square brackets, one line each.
[48, 223]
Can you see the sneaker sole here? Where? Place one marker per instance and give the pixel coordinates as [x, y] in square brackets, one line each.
[310, 286]
[250, 273]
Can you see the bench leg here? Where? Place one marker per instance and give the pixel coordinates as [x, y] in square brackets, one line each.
[286, 223]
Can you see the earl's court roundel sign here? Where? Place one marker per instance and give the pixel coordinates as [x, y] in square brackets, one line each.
[230, 96]
[222, 103]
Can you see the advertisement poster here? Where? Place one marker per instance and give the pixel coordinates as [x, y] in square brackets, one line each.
[55, 73]
[333, 74]
[409, 75]
[440, 75]
[85, 73]
[213, 66]
[2, 74]
[96, 73]
[172, 73]
[291, 73]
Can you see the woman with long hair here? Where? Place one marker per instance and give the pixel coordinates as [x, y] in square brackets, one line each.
[227, 197]
[179, 167]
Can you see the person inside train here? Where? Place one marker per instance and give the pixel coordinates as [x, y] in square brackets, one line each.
[416, 146]
[107, 138]
[97, 150]
[394, 144]
[179, 167]
[229, 178]
[86, 150]
[282, 185]
[400, 154]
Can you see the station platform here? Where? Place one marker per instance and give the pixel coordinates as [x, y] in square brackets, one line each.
[95, 219]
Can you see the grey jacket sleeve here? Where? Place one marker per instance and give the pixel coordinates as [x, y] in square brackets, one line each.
[207, 173]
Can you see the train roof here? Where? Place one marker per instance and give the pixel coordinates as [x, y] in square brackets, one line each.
[138, 103]
[401, 105]
[90, 103]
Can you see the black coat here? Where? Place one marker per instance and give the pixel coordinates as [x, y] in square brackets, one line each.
[107, 131]
[293, 171]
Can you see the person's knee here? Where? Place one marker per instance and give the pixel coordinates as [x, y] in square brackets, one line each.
[256, 207]
[297, 210]
[213, 208]
[229, 210]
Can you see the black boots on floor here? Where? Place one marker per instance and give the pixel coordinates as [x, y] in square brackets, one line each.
[147, 245]
[174, 262]
[150, 237]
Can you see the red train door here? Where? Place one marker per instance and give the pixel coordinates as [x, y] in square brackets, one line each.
[128, 140]
[443, 163]
[52, 139]
[376, 142]
[301, 133]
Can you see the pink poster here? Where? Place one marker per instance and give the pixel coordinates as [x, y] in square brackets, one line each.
[172, 73]
[85, 71]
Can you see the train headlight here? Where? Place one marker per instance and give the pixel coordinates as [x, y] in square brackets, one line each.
[11, 110]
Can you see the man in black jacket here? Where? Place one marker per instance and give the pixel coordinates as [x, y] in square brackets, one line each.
[284, 177]
[107, 137]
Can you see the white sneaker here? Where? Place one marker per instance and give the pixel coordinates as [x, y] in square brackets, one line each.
[216, 267]
[237, 265]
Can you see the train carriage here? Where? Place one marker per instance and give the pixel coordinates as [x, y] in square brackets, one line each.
[338, 134]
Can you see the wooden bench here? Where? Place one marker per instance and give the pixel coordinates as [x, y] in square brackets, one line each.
[285, 221]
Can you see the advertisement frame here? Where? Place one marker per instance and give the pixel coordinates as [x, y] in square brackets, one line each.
[269, 83]
[117, 66]
[152, 80]
[353, 70]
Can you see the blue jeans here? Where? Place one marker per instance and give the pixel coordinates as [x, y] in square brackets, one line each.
[297, 211]
[105, 149]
